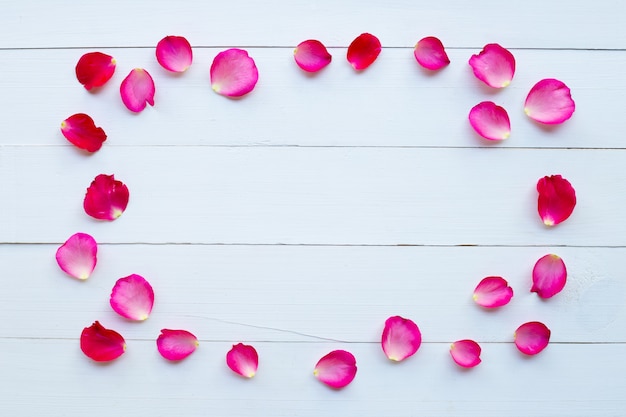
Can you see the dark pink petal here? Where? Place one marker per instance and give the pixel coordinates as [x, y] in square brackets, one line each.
[492, 292]
[401, 338]
[106, 198]
[494, 65]
[550, 102]
[549, 276]
[556, 201]
[137, 90]
[532, 337]
[174, 53]
[243, 359]
[337, 369]
[81, 131]
[176, 345]
[363, 51]
[466, 353]
[132, 297]
[233, 73]
[311, 55]
[490, 121]
[77, 256]
[430, 53]
[101, 344]
[94, 69]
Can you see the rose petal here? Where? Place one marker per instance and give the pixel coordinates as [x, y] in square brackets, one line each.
[101, 344]
[492, 292]
[77, 256]
[550, 102]
[174, 53]
[549, 276]
[494, 65]
[401, 338]
[81, 131]
[465, 353]
[336, 369]
[132, 297]
[532, 337]
[176, 345]
[106, 198]
[490, 121]
[243, 359]
[430, 53]
[311, 55]
[137, 90]
[94, 69]
[233, 73]
[363, 51]
[556, 200]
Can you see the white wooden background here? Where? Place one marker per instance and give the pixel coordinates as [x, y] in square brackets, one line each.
[302, 216]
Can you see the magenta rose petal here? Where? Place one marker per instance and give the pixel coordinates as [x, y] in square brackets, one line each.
[336, 369]
[94, 69]
[106, 198]
[549, 276]
[465, 353]
[81, 131]
[311, 55]
[233, 73]
[494, 65]
[532, 337]
[490, 121]
[549, 102]
[132, 297]
[174, 53]
[77, 257]
[556, 201]
[363, 51]
[176, 345]
[430, 53]
[101, 344]
[492, 292]
[243, 360]
[137, 90]
[401, 338]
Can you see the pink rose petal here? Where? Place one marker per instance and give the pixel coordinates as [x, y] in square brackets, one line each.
[337, 369]
[100, 344]
[174, 53]
[94, 69]
[77, 256]
[532, 337]
[401, 338]
[233, 73]
[363, 51]
[243, 360]
[494, 65]
[556, 200]
[132, 297]
[106, 198]
[311, 55]
[82, 132]
[430, 53]
[490, 121]
[137, 90]
[549, 276]
[176, 345]
[550, 102]
[465, 353]
[492, 292]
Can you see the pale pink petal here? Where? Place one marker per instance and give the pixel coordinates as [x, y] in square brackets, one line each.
[492, 292]
[77, 256]
[106, 198]
[176, 345]
[311, 55]
[243, 359]
[174, 53]
[100, 344]
[363, 51]
[494, 65]
[465, 353]
[337, 369]
[430, 53]
[549, 276]
[532, 337]
[556, 201]
[233, 73]
[490, 121]
[550, 102]
[401, 338]
[132, 297]
[137, 90]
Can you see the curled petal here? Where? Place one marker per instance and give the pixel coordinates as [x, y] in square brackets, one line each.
[532, 337]
[77, 257]
[363, 51]
[101, 344]
[550, 102]
[465, 353]
[106, 198]
[137, 90]
[311, 55]
[430, 53]
[492, 292]
[337, 369]
[243, 359]
[549, 276]
[94, 69]
[132, 297]
[176, 345]
[401, 338]
[82, 132]
[233, 73]
[556, 200]
[490, 121]
[174, 53]
[494, 65]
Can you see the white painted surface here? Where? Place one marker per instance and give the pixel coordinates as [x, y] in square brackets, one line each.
[302, 216]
